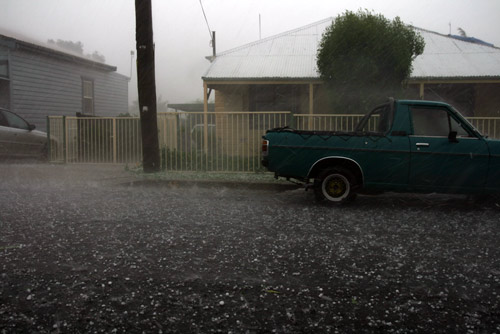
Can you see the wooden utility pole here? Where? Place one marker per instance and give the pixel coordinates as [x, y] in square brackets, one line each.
[146, 85]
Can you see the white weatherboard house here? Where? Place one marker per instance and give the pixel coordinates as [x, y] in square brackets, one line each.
[279, 73]
[38, 80]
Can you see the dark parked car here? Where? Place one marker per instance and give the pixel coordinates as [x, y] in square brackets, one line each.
[19, 139]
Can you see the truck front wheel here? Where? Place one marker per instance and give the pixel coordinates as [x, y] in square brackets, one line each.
[335, 185]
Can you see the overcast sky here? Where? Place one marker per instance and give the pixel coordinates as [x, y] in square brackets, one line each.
[182, 36]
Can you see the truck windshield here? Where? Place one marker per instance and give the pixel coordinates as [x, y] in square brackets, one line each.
[378, 121]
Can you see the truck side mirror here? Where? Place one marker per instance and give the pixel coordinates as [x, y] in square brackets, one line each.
[452, 137]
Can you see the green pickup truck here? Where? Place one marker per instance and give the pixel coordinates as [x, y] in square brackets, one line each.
[400, 146]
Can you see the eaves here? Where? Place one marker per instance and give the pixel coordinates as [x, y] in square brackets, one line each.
[261, 81]
[454, 80]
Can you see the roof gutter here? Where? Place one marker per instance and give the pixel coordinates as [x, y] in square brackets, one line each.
[261, 81]
[453, 80]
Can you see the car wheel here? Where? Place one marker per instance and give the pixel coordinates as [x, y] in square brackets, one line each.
[335, 185]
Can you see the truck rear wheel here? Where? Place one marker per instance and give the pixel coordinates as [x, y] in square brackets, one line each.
[335, 185]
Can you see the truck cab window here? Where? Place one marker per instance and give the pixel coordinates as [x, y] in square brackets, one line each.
[456, 126]
[434, 122]
[430, 122]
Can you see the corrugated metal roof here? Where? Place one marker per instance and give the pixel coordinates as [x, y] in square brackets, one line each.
[448, 57]
[292, 56]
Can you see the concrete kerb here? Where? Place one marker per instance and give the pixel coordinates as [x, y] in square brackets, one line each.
[119, 175]
[178, 183]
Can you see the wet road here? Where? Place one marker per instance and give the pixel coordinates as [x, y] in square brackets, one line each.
[90, 249]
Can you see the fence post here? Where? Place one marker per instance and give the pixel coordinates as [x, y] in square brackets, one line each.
[49, 148]
[177, 153]
[205, 118]
[114, 140]
[65, 141]
[292, 120]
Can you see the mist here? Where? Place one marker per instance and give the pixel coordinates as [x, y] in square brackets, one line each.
[182, 36]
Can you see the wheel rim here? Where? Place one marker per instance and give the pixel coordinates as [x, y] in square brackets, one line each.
[335, 187]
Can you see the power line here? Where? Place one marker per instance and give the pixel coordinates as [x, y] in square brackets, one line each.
[209, 30]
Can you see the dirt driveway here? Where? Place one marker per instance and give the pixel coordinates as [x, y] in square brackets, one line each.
[83, 249]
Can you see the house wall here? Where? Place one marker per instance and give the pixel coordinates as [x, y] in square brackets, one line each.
[321, 102]
[279, 97]
[4, 82]
[487, 97]
[265, 97]
[230, 98]
[471, 99]
[42, 86]
[249, 98]
[459, 95]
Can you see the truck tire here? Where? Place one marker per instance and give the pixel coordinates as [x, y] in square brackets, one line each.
[335, 185]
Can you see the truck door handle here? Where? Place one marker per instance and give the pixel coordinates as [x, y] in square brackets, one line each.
[423, 144]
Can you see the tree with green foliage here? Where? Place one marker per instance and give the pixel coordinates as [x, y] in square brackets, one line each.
[365, 58]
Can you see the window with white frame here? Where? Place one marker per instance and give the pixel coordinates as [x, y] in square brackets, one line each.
[88, 97]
